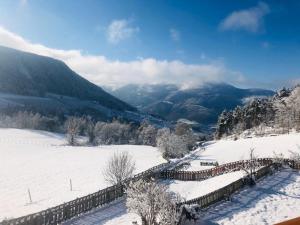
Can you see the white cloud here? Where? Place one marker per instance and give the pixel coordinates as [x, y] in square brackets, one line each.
[249, 19]
[102, 71]
[175, 34]
[119, 30]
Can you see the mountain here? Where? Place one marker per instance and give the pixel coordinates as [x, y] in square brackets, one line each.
[42, 84]
[23, 73]
[202, 104]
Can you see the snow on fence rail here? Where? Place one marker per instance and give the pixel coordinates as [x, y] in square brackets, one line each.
[225, 192]
[205, 174]
[65, 211]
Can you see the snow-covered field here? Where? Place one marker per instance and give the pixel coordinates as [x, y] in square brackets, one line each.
[274, 199]
[116, 213]
[225, 151]
[40, 161]
[43, 163]
[193, 189]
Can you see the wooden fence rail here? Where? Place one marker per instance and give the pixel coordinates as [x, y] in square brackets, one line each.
[225, 192]
[205, 174]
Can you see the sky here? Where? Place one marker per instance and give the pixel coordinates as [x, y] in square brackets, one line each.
[114, 42]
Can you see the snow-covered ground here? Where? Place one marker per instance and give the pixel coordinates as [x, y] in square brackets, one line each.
[40, 161]
[193, 189]
[43, 163]
[272, 200]
[116, 213]
[225, 151]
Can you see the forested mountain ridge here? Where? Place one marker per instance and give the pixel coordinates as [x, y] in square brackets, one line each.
[28, 74]
[202, 104]
[279, 113]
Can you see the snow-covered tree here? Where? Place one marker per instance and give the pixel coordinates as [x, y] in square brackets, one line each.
[73, 125]
[295, 155]
[119, 168]
[185, 131]
[147, 134]
[152, 202]
[90, 130]
[170, 144]
[113, 133]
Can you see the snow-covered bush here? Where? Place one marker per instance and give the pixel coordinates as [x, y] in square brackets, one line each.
[152, 202]
[170, 144]
[113, 133]
[119, 168]
[294, 155]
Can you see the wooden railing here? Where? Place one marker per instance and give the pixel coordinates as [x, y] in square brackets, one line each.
[225, 192]
[208, 173]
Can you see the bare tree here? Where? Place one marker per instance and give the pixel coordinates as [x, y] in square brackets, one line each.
[73, 127]
[119, 168]
[251, 167]
[152, 202]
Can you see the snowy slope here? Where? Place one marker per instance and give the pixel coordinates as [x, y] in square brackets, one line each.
[116, 213]
[222, 151]
[225, 151]
[193, 189]
[274, 199]
[40, 161]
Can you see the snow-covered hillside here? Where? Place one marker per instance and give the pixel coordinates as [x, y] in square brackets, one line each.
[273, 200]
[225, 151]
[40, 161]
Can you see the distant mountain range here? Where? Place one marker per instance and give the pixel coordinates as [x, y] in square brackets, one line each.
[201, 105]
[41, 84]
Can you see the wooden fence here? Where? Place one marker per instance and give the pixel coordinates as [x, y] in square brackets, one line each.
[208, 173]
[225, 192]
[65, 211]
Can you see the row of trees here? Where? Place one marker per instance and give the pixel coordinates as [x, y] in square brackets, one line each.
[172, 143]
[29, 120]
[281, 113]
